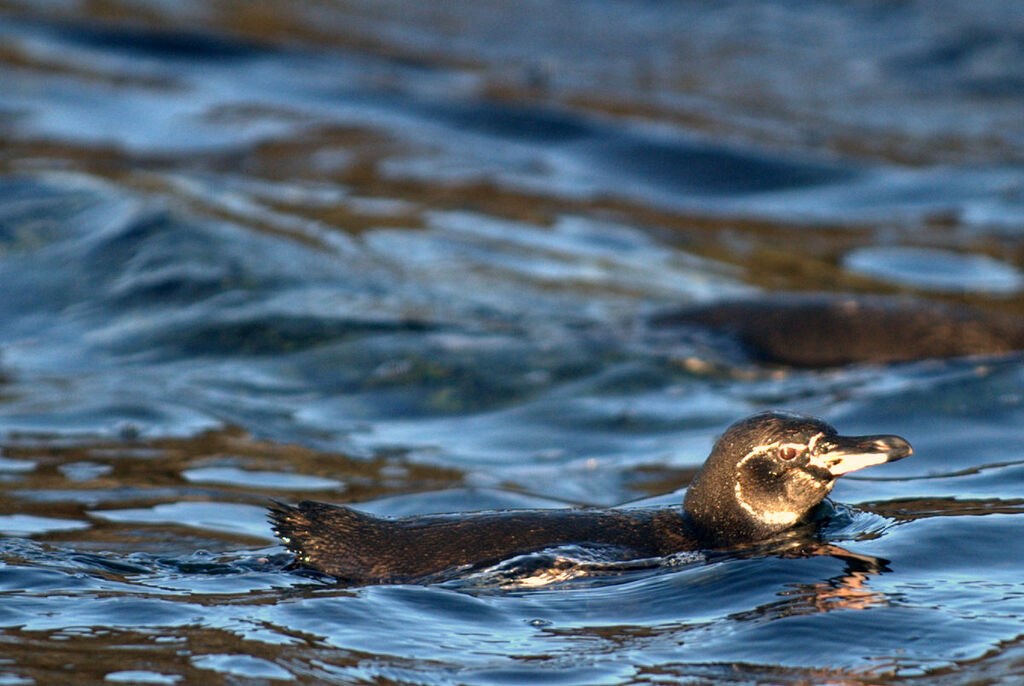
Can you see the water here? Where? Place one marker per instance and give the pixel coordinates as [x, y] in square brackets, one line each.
[401, 255]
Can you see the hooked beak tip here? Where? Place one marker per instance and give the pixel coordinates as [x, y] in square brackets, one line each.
[896, 447]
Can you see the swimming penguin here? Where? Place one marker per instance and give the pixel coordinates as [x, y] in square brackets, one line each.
[821, 330]
[765, 474]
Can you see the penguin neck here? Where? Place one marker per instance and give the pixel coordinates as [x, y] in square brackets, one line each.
[717, 513]
[721, 527]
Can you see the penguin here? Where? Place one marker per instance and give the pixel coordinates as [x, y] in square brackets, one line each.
[765, 474]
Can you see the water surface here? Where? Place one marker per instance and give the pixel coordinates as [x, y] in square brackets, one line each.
[402, 255]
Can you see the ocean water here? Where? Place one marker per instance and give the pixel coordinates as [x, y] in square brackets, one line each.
[402, 255]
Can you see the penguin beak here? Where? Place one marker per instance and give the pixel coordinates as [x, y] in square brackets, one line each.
[850, 453]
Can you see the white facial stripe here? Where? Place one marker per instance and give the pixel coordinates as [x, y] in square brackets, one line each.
[811, 444]
[759, 450]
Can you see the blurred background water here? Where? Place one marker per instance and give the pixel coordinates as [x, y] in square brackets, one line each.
[401, 255]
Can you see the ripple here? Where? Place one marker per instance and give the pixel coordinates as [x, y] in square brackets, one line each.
[138, 676]
[9, 465]
[245, 666]
[936, 270]
[233, 476]
[32, 525]
[248, 520]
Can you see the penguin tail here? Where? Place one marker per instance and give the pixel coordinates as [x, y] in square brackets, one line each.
[321, 536]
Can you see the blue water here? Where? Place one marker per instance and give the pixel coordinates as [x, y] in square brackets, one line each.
[401, 255]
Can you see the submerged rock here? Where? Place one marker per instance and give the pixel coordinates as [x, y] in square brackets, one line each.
[826, 330]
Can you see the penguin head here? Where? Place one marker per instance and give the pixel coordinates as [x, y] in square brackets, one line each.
[768, 471]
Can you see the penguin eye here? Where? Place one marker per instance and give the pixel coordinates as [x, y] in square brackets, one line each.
[788, 452]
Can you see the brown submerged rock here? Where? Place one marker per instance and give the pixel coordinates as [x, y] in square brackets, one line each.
[826, 330]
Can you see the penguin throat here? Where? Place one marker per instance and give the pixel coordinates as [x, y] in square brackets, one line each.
[764, 515]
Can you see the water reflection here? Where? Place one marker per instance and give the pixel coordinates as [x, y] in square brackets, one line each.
[847, 591]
